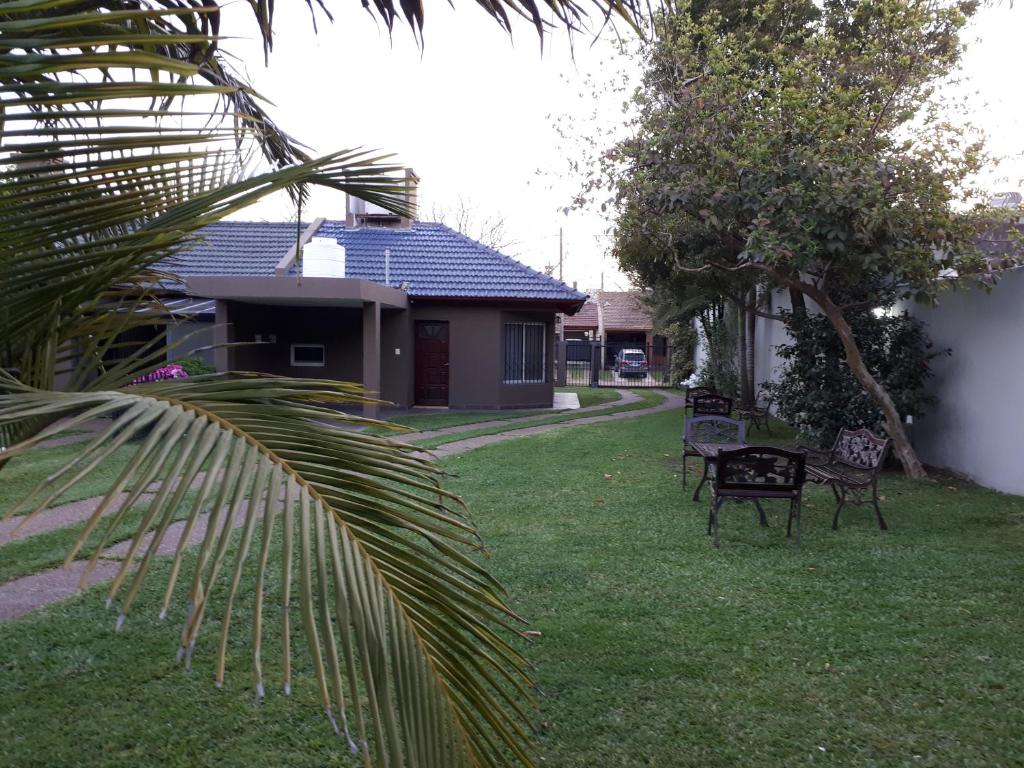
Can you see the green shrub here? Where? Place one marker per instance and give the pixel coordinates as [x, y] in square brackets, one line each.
[195, 366]
[681, 338]
[818, 394]
[719, 371]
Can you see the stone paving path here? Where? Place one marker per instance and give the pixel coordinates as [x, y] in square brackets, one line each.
[21, 596]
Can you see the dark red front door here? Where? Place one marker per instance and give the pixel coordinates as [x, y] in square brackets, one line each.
[431, 362]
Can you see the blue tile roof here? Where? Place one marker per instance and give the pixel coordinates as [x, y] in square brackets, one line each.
[439, 262]
[436, 262]
[235, 248]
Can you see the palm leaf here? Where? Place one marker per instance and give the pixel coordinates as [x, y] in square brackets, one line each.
[405, 630]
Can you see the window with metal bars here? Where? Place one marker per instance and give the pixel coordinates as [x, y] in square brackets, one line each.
[525, 353]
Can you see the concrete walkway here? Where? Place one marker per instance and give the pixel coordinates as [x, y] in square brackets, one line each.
[21, 596]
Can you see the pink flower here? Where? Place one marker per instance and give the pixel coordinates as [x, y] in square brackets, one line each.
[172, 371]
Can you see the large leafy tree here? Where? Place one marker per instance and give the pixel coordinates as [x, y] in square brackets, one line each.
[124, 132]
[800, 143]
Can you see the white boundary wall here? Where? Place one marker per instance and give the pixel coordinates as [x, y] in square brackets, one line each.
[977, 426]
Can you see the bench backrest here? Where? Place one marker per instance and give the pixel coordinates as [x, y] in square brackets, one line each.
[711, 405]
[860, 448]
[757, 470]
[714, 429]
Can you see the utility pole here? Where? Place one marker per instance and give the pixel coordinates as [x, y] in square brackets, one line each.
[560, 254]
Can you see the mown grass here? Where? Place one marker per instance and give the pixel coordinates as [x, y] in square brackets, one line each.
[858, 648]
[648, 398]
[23, 473]
[443, 419]
[593, 395]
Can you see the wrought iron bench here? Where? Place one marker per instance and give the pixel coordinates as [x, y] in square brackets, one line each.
[851, 468]
[757, 416]
[754, 473]
[692, 392]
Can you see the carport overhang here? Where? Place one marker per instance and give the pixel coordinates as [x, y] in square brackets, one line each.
[294, 291]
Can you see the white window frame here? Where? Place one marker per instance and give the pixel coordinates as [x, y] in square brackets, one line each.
[543, 353]
[307, 364]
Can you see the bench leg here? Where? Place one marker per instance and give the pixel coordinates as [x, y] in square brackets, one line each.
[715, 506]
[874, 500]
[795, 505]
[841, 498]
[760, 514]
[703, 479]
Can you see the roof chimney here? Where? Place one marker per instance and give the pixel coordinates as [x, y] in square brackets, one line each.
[363, 214]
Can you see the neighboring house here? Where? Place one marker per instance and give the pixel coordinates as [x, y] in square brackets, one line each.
[413, 310]
[619, 320]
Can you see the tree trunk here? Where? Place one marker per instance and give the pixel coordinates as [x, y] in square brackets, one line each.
[904, 451]
[741, 353]
[751, 362]
[797, 302]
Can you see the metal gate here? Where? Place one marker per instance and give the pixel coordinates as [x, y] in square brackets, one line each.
[625, 364]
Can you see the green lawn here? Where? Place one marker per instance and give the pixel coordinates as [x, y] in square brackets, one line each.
[593, 395]
[859, 648]
[648, 398]
[442, 419]
[23, 473]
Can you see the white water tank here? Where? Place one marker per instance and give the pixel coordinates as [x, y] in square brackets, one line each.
[323, 257]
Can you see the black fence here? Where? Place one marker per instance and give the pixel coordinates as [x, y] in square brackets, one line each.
[597, 364]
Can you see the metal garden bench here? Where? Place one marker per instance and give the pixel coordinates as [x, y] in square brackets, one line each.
[850, 469]
[754, 473]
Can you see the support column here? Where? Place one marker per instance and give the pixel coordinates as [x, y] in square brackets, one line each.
[371, 354]
[222, 335]
[561, 348]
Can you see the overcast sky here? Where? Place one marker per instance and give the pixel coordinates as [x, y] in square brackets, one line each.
[473, 113]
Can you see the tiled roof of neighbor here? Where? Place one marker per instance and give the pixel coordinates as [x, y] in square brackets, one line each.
[583, 320]
[435, 261]
[624, 311]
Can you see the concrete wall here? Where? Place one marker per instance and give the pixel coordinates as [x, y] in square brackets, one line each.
[977, 426]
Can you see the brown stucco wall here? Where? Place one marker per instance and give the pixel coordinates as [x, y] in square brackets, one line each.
[531, 395]
[339, 329]
[476, 354]
[396, 356]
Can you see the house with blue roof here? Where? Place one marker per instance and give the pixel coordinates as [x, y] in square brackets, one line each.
[414, 310]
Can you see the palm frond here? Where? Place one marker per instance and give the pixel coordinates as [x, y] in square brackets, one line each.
[405, 629]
